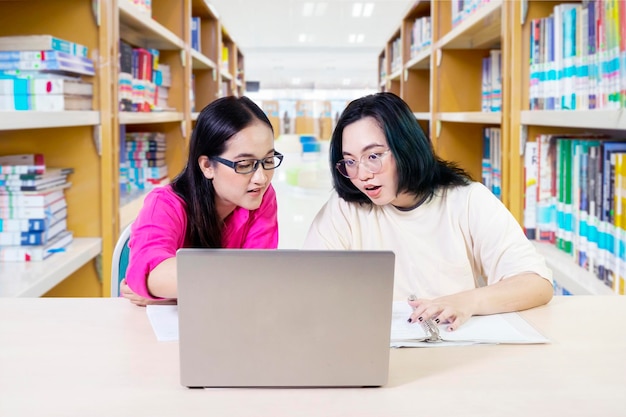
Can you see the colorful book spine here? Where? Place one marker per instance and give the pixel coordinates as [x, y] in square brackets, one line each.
[531, 172]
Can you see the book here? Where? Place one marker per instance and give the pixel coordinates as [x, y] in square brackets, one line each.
[45, 85]
[32, 212]
[195, 33]
[531, 173]
[504, 328]
[45, 102]
[32, 185]
[27, 163]
[41, 43]
[40, 237]
[32, 225]
[33, 178]
[63, 65]
[40, 199]
[37, 252]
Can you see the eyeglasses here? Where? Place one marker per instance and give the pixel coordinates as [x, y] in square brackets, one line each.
[349, 168]
[247, 166]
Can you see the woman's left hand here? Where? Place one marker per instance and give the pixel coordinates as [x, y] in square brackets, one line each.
[138, 300]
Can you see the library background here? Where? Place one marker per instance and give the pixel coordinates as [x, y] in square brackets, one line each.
[525, 95]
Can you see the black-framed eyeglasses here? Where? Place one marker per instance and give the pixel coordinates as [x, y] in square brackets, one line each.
[247, 166]
[349, 167]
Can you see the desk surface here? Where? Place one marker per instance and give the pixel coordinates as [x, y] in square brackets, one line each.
[99, 357]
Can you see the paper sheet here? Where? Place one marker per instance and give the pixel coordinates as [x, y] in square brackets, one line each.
[164, 321]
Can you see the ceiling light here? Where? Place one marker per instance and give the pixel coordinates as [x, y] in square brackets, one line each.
[346, 81]
[295, 81]
[352, 38]
[307, 9]
[302, 37]
[368, 9]
[359, 38]
[357, 9]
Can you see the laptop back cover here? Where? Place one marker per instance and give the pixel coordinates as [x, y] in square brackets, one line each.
[284, 317]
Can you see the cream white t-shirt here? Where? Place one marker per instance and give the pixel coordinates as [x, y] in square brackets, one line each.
[449, 244]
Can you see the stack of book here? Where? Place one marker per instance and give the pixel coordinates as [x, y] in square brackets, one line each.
[42, 72]
[33, 209]
[145, 160]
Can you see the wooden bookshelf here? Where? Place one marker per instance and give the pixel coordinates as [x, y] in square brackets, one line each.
[89, 141]
[442, 85]
[34, 279]
[73, 139]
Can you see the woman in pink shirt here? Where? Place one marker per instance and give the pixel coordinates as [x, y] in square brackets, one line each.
[221, 199]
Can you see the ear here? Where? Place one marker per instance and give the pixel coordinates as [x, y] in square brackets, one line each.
[206, 166]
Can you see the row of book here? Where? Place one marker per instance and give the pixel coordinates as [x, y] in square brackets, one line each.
[575, 198]
[491, 175]
[143, 82]
[578, 57]
[491, 76]
[33, 208]
[462, 9]
[142, 161]
[421, 35]
[44, 73]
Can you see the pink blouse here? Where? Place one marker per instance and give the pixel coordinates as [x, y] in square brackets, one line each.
[159, 231]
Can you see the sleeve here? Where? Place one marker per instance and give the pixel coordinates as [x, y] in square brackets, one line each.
[499, 244]
[330, 228]
[263, 227]
[157, 233]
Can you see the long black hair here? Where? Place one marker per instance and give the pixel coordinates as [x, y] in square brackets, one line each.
[216, 124]
[420, 171]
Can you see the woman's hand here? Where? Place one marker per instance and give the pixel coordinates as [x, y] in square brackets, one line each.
[138, 300]
[453, 310]
[519, 292]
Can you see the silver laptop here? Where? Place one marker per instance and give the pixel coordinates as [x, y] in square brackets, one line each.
[284, 318]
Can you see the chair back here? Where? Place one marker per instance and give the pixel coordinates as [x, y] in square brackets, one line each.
[120, 258]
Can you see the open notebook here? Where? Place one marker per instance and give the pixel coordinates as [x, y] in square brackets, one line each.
[493, 329]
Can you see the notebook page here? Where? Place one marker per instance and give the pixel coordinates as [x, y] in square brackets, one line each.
[495, 328]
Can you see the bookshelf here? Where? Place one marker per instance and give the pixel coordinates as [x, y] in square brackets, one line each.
[441, 82]
[89, 141]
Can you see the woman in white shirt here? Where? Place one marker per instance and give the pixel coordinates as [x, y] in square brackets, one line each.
[459, 251]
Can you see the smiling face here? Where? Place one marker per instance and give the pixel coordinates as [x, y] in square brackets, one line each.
[359, 140]
[241, 190]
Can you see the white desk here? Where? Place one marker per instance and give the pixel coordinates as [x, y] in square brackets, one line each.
[99, 357]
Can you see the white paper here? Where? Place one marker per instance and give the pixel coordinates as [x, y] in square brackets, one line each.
[164, 321]
[492, 329]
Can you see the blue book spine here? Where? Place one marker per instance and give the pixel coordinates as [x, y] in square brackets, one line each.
[23, 225]
[195, 33]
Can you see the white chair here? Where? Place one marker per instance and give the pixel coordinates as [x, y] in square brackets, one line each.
[119, 261]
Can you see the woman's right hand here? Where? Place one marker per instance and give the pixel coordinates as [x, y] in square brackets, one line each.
[138, 300]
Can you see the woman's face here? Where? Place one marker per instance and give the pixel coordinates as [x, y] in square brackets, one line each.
[361, 139]
[241, 190]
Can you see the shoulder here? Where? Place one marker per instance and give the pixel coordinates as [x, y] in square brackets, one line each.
[473, 193]
[163, 201]
[165, 194]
